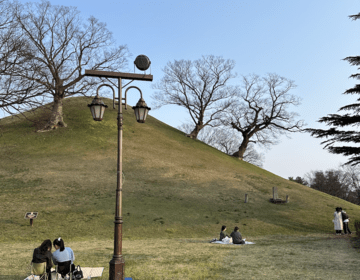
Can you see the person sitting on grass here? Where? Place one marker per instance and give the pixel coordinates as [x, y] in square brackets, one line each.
[62, 253]
[222, 233]
[236, 236]
[43, 254]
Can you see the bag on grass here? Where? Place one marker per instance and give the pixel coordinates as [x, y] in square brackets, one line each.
[227, 240]
[78, 274]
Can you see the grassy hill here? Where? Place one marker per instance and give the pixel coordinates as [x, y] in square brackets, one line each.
[174, 186]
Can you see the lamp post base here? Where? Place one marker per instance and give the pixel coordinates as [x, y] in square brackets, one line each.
[117, 269]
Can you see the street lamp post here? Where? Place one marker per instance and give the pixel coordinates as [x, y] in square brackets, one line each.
[117, 264]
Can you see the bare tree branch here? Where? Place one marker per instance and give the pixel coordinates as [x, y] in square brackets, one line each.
[261, 112]
[199, 86]
[58, 46]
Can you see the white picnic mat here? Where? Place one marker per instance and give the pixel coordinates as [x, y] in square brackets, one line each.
[228, 241]
[92, 271]
[220, 242]
[87, 271]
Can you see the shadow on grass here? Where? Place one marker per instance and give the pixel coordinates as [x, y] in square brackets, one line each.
[355, 243]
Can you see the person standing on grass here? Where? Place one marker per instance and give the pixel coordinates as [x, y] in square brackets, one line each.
[62, 253]
[43, 254]
[345, 219]
[338, 223]
[222, 233]
[236, 236]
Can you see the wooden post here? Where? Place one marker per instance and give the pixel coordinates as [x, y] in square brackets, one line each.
[246, 198]
[275, 194]
[31, 222]
[287, 199]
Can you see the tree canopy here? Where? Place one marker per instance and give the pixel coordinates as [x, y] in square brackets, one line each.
[200, 86]
[343, 182]
[261, 112]
[58, 46]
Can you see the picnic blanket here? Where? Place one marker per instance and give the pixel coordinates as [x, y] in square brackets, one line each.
[87, 271]
[228, 241]
[220, 242]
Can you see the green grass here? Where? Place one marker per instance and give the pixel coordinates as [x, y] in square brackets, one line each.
[316, 256]
[175, 188]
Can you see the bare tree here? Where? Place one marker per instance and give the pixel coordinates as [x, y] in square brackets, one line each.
[13, 46]
[60, 45]
[351, 179]
[5, 13]
[261, 114]
[225, 141]
[200, 86]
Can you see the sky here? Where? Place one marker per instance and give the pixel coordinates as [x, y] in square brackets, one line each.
[305, 41]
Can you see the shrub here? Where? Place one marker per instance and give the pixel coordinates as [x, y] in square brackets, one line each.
[357, 227]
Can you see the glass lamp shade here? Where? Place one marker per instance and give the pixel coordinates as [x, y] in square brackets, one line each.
[97, 108]
[141, 110]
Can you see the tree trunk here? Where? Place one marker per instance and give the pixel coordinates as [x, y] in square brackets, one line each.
[56, 118]
[240, 153]
[195, 132]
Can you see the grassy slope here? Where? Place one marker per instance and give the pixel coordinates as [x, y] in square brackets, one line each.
[315, 256]
[174, 187]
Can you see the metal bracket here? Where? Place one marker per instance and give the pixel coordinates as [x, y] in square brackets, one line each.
[126, 94]
[116, 98]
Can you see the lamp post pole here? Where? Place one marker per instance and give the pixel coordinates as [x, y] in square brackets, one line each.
[117, 263]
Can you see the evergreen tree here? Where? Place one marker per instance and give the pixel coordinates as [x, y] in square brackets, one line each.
[329, 182]
[299, 180]
[351, 117]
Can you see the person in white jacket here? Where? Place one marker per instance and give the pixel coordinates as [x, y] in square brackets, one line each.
[338, 223]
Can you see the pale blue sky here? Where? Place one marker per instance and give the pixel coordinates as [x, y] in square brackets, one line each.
[301, 40]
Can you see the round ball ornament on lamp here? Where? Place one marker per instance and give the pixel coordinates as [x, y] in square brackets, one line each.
[142, 62]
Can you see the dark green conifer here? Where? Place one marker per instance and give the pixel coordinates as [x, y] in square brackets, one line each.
[336, 135]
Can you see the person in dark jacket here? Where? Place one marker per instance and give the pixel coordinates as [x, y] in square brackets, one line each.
[345, 219]
[236, 236]
[222, 233]
[43, 254]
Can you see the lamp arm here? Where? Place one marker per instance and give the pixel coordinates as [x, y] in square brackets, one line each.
[103, 85]
[141, 96]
